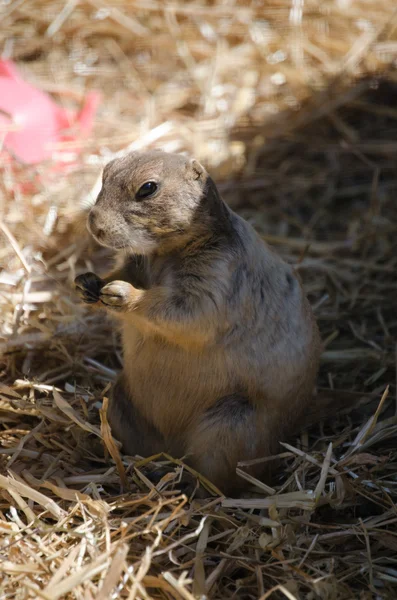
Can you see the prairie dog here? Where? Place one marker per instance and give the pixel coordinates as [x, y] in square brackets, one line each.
[221, 348]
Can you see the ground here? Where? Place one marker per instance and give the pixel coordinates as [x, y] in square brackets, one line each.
[293, 113]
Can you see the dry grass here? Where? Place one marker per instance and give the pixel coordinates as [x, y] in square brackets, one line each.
[296, 117]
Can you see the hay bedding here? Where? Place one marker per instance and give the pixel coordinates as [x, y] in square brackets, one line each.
[314, 168]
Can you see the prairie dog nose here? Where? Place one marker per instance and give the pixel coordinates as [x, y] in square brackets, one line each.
[94, 224]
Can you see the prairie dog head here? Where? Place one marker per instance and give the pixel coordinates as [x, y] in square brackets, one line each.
[147, 199]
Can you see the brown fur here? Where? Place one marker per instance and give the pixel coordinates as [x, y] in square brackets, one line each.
[220, 345]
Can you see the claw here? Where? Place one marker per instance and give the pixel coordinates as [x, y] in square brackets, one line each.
[88, 286]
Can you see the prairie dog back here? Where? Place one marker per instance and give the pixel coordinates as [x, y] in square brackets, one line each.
[221, 348]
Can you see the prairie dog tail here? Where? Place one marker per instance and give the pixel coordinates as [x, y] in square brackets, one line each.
[328, 403]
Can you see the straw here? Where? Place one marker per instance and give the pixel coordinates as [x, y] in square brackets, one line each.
[292, 108]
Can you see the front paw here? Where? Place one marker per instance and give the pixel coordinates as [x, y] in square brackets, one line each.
[117, 295]
[88, 287]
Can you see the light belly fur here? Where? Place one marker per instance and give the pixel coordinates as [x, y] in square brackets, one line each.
[171, 385]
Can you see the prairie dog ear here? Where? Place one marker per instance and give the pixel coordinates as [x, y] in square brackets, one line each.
[107, 167]
[195, 169]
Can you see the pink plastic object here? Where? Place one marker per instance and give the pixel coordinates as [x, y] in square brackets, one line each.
[33, 123]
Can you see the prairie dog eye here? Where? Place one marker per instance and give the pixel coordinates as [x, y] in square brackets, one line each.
[146, 190]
